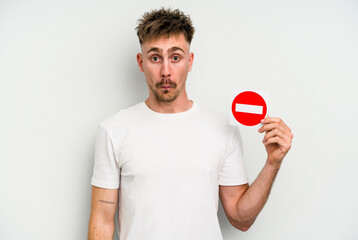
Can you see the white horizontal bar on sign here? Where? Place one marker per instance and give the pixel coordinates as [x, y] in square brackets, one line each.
[248, 108]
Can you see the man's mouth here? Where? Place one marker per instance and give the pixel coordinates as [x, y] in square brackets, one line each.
[166, 87]
[166, 84]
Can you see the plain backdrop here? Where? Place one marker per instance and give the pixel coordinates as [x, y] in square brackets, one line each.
[66, 65]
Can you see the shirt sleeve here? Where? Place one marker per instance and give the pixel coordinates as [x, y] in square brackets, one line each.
[105, 171]
[233, 170]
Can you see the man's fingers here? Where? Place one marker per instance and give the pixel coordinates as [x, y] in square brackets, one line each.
[275, 120]
[281, 139]
[271, 120]
[273, 133]
[283, 144]
[277, 139]
[276, 131]
[272, 140]
[270, 126]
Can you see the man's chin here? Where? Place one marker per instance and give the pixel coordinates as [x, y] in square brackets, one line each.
[166, 99]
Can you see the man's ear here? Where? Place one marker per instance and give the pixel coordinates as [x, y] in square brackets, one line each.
[140, 62]
[191, 59]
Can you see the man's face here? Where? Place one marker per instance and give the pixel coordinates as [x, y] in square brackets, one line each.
[166, 63]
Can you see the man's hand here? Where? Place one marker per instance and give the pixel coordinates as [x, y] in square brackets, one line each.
[277, 139]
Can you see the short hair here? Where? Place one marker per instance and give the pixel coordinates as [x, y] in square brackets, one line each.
[164, 22]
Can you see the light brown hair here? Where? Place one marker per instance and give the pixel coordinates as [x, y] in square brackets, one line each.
[164, 22]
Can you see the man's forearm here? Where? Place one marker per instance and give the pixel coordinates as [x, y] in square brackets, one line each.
[253, 200]
[100, 231]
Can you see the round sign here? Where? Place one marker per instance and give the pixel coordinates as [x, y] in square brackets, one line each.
[249, 108]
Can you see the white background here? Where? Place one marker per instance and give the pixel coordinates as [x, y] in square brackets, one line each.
[66, 65]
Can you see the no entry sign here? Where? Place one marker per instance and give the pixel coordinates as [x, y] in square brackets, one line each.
[249, 107]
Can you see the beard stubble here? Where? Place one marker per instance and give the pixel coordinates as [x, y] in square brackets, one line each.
[165, 95]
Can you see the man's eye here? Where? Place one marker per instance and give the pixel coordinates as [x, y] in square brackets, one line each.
[176, 58]
[155, 59]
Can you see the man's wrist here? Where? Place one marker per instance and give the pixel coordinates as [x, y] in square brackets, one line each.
[272, 164]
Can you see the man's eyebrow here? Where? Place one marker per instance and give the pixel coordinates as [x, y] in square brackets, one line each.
[173, 49]
[154, 49]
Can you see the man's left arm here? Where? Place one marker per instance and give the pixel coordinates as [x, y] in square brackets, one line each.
[243, 203]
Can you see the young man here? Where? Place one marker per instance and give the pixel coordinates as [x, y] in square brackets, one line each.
[166, 161]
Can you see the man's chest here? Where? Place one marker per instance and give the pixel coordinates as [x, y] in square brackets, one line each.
[169, 152]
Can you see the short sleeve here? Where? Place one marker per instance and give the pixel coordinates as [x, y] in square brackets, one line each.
[105, 171]
[233, 170]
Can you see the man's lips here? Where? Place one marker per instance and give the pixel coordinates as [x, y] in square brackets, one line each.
[165, 87]
[166, 84]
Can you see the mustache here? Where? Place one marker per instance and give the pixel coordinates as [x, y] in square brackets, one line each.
[166, 81]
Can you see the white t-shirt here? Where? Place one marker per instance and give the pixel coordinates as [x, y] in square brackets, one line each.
[168, 168]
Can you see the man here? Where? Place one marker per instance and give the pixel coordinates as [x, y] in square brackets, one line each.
[166, 161]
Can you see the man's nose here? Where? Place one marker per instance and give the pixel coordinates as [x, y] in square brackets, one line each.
[165, 71]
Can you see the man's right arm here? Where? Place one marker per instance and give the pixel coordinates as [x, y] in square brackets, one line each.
[103, 208]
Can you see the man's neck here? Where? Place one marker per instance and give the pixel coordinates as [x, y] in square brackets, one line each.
[178, 105]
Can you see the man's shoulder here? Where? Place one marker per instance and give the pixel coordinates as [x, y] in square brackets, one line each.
[212, 114]
[215, 120]
[123, 116]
